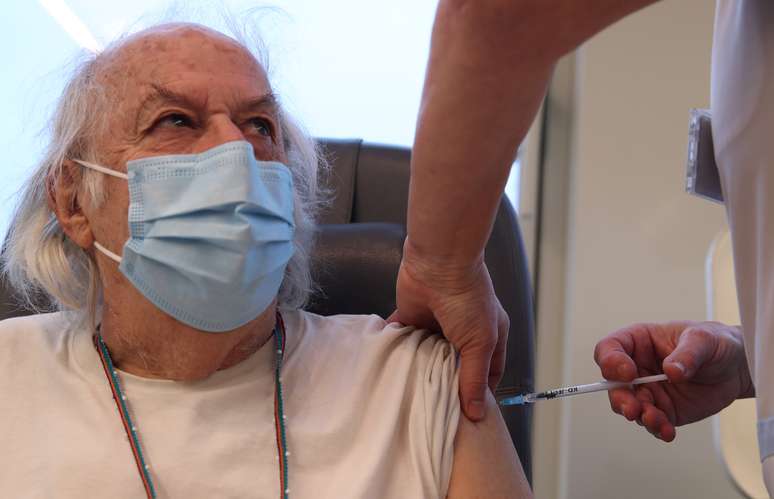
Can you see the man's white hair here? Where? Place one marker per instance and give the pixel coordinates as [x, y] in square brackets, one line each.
[42, 264]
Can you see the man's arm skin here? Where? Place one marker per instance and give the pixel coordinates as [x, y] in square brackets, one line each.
[486, 465]
[490, 62]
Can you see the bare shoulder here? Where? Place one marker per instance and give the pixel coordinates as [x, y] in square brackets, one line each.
[485, 462]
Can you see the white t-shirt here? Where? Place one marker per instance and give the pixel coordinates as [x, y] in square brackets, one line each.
[743, 133]
[372, 412]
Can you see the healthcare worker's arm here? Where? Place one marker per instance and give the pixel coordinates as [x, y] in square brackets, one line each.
[486, 465]
[705, 363]
[490, 62]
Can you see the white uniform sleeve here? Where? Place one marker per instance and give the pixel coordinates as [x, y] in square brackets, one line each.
[742, 123]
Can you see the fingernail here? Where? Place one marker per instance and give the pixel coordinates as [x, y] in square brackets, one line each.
[680, 366]
[476, 409]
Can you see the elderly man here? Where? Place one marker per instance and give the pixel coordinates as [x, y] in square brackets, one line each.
[170, 221]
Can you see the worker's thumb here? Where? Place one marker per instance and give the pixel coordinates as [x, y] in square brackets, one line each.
[694, 347]
[474, 377]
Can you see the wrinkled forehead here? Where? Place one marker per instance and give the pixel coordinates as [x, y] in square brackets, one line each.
[174, 52]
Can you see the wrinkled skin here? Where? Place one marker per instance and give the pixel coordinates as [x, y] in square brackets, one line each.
[174, 89]
[704, 361]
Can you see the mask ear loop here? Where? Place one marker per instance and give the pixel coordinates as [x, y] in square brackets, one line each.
[106, 171]
[102, 169]
[107, 252]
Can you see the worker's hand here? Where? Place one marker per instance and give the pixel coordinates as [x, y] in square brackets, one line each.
[460, 301]
[704, 361]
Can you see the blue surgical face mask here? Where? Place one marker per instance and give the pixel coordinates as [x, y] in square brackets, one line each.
[210, 234]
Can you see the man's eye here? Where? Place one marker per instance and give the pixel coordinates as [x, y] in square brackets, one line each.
[262, 126]
[174, 120]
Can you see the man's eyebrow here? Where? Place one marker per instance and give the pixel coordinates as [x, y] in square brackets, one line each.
[161, 94]
[164, 94]
[267, 101]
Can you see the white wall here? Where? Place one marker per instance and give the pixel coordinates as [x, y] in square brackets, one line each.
[636, 247]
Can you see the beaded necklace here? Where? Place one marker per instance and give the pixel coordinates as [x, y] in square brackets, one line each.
[131, 430]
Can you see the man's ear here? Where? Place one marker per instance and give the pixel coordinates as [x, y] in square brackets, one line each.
[65, 202]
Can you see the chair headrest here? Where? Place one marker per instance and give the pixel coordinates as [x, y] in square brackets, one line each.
[357, 266]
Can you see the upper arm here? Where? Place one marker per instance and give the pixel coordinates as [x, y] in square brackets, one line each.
[485, 463]
[555, 26]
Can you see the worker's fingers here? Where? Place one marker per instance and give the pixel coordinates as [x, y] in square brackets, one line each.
[662, 400]
[394, 317]
[695, 346]
[497, 365]
[653, 418]
[656, 422]
[612, 357]
[474, 377]
[623, 402]
[414, 314]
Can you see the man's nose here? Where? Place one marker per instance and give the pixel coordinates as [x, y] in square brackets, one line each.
[220, 129]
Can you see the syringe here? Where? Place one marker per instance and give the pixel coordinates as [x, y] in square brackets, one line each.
[529, 398]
